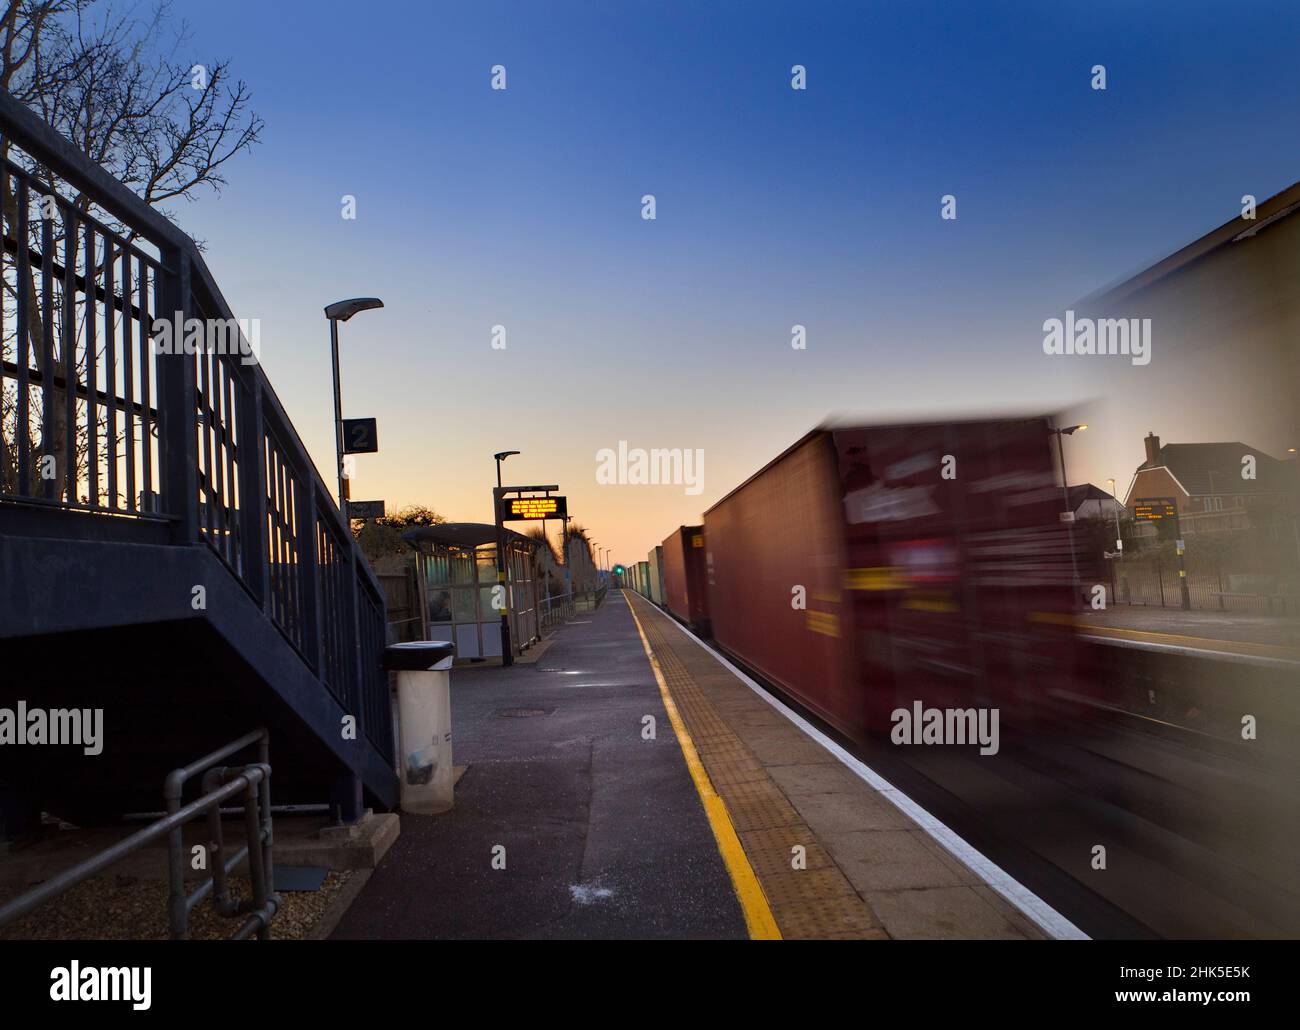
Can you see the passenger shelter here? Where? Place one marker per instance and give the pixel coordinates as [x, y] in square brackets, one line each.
[457, 565]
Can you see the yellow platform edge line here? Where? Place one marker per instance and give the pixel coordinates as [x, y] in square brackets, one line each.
[759, 920]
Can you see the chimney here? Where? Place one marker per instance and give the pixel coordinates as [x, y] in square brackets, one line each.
[1153, 448]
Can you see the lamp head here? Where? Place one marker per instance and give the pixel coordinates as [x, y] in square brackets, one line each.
[341, 311]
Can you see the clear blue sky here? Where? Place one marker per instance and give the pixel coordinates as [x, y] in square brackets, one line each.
[775, 207]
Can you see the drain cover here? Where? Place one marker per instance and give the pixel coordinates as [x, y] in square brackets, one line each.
[522, 713]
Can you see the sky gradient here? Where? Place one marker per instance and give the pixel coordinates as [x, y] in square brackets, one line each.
[522, 208]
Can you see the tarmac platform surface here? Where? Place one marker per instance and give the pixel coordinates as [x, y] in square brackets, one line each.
[731, 822]
[604, 833]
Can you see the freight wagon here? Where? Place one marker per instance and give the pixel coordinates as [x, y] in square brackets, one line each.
[868, 569]
[655, 585]
[685, 577]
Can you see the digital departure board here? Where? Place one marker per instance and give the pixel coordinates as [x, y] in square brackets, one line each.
[527, 509]
[1153, 509]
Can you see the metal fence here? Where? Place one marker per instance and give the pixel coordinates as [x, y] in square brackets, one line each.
[97, 418]
[556, 608]
[402, 595]
[1157, 582]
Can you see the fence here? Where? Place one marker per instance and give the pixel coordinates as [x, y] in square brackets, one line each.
[402, 593]
[1156, 583]
[556, 608]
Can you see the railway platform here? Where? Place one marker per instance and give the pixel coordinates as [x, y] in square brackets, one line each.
[1243, 634]
[632, 784]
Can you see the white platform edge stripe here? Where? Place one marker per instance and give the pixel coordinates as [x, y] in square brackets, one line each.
[1046, 918]
[1192, 652]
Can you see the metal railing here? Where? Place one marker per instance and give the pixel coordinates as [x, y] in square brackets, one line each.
[250, 782]
[94, 417]
[1156, 582]
[555, 608]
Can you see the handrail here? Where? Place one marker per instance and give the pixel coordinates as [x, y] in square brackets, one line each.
[260, 506]
[254, 783]
[48, 146]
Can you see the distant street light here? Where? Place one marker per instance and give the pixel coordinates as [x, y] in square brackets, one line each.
[337, 312]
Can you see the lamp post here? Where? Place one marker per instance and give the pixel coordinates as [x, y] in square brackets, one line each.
[506, 657]
[501, 456]
[1119, 543]
[1065, 491]
[564, 544]
[341, 311]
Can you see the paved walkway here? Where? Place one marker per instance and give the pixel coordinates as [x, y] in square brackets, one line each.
[604, 833]
[869, 870]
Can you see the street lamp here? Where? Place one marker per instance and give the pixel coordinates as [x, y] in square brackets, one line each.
[1067, 431]
[341, 311]
[507, 658]
[1119, 543]
[500, 457]
[1065, 490]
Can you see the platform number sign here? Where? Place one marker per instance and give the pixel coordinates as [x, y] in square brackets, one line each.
[360, 436]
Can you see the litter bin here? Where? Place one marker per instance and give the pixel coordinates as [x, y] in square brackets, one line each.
[424, 714]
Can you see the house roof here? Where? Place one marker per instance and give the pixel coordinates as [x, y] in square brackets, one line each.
[1086, 492]
[1215, 468]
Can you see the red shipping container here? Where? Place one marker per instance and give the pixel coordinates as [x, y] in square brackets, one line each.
[685, 577]
[869, 568]
[774, 552]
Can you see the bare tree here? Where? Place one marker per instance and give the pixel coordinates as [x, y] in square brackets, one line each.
[109, 77]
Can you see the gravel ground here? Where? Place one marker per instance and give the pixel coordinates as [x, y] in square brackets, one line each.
[115, 908]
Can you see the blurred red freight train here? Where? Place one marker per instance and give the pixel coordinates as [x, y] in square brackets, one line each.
[866, 569]
[685, 578]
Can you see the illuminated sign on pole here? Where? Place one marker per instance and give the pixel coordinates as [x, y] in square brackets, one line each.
[1153, 509]
[527, 509]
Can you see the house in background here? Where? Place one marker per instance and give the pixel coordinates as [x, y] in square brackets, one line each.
[1092, 502]
[1206, 484]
